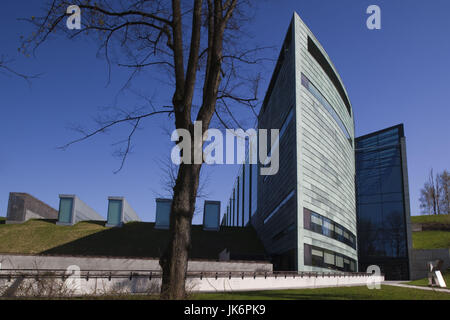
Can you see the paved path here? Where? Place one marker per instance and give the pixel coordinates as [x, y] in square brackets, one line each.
[404, 285]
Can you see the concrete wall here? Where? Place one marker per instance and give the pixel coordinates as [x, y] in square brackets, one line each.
[76, 285]
[22, 207]
[102, 263]
[420, 258]
[277, 283]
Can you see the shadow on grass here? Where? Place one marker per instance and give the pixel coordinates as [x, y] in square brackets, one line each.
[142, 240]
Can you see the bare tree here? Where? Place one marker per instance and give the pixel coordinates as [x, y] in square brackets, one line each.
[434, 196]
[199, 43]
[428, 196]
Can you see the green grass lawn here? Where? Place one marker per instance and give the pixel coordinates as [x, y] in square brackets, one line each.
[431, 239]
[442, 218]
[133, 239]
[342, 293]
[36, 236]
[424, 282]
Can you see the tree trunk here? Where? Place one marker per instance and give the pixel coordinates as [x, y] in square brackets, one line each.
[174, 261]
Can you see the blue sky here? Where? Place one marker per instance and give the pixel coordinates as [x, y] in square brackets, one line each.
[399, 74]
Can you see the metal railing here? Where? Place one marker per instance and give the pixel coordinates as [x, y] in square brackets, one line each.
[10, 274]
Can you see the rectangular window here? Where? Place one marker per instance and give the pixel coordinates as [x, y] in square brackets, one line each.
[339, 262]
[65, 210]
[317, 253]
[114, 212]
[328, 227]
[211, 215]
[316, 219]
[322, 225]
[163, 208]
[318, 257]
[329, 258]
[306, 219]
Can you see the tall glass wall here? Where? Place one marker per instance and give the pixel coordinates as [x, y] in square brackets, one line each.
[382, 232]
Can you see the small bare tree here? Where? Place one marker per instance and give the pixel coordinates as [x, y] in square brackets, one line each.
[434, 196]
[428, 196]
[202, 46]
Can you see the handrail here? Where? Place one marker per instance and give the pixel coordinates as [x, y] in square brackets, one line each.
[89, 274]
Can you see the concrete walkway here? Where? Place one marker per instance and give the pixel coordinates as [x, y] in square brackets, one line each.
[404, 285]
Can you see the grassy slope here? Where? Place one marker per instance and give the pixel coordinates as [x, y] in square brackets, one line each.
[443, 218]
[134, 239]
[36, 236]
[431, 239]
[424, 282]
[343, 293]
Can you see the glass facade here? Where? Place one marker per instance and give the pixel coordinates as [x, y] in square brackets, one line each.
[324, 258]
[382, 216]
[320, 224]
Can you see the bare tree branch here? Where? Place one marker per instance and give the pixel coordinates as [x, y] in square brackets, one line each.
[110, 124]
[7, 70]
